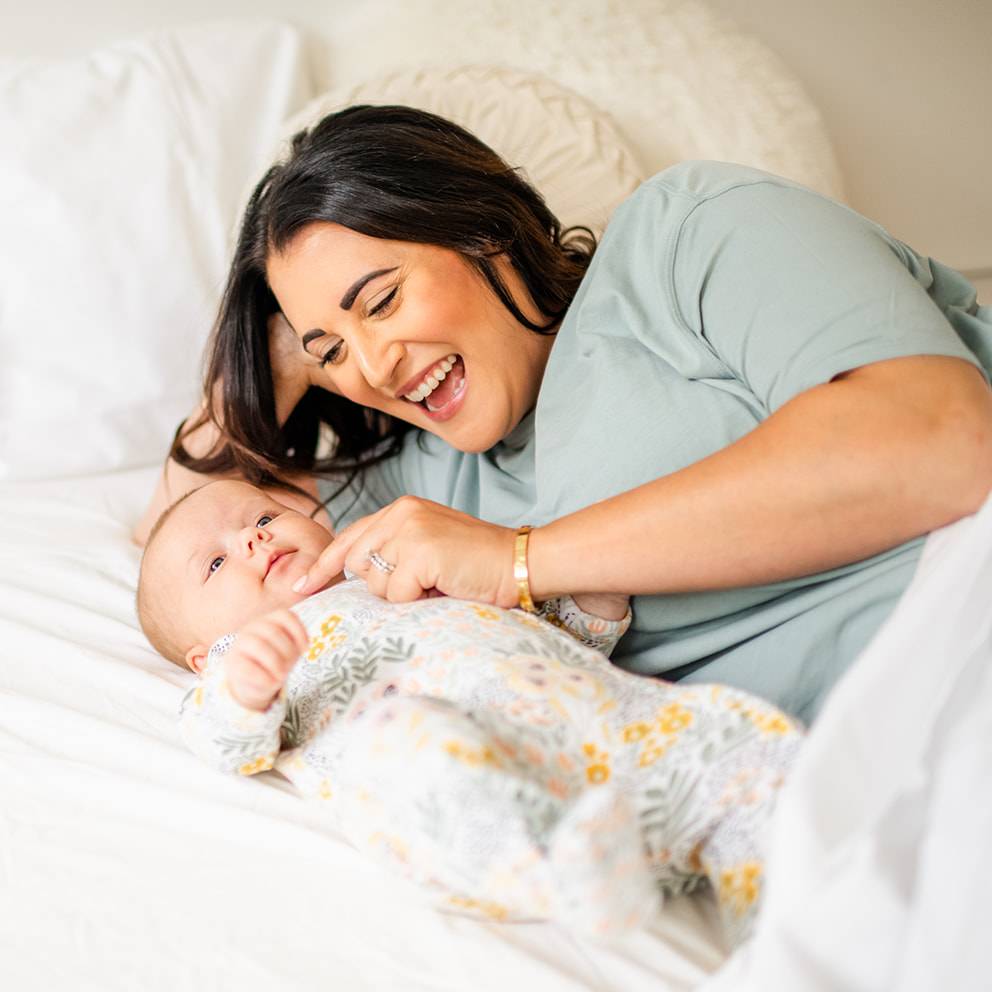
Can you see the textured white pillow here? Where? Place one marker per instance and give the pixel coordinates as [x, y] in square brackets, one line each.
[680, 79]
[569, 149]
[121, 173]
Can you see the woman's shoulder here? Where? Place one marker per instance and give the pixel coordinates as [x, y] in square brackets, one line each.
[669, 197]
[698, 180]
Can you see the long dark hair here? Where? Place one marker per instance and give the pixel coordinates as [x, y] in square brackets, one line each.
[385, 172]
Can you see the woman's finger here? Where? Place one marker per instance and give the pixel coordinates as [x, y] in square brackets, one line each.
[334, 558]
[377, 565]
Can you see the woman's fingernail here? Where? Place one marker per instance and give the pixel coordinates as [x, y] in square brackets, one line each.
[300, 583]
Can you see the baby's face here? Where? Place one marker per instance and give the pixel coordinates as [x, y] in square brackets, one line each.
[228, 554]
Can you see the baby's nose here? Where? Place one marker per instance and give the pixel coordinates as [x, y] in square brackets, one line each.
[251, 538]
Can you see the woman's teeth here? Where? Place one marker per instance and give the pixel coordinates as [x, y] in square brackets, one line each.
[432, 380]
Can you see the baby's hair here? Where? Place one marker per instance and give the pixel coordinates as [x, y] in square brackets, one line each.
[162, 635]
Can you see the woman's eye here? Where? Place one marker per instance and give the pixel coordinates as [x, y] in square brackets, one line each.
[264, 520]
[331, 355]
[215, 564]
[384, 306]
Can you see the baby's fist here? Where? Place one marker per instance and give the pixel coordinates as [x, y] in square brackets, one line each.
[262, 656]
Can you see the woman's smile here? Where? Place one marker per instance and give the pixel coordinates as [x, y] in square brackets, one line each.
[441, 392]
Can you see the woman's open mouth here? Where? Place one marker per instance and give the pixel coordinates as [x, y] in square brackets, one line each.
[442, 389]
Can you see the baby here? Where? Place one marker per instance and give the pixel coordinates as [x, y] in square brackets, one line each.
[493, 757]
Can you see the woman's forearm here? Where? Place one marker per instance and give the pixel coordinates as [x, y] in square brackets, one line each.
[175, 480]
[842, 472]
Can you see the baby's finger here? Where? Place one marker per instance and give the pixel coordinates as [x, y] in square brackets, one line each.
[252, 685]
[278, 645]
[292, 626]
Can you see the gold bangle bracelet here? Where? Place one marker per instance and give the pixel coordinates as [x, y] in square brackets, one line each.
[520, 574]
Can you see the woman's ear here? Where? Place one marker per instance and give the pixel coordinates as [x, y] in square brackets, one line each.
[196, 658]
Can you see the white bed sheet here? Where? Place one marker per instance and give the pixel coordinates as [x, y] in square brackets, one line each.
[126, 864]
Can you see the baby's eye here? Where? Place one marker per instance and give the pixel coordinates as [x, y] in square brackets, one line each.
[215, 564]
[264, 520]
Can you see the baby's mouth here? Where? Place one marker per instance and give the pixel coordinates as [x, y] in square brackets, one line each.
[274, 560]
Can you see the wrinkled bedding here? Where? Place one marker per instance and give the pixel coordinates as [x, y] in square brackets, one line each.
[126, 863]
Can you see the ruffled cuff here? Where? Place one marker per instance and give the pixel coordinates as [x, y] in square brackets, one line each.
[593, 631]
[229, 736]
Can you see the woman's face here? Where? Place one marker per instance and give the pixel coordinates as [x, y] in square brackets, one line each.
[412, 330]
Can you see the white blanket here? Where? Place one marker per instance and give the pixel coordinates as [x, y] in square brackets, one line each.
[881, 871]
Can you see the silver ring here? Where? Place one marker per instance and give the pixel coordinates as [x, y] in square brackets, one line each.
[380, 563]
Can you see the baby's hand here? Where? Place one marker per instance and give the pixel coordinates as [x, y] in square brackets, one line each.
[262, 656]
[605, 605]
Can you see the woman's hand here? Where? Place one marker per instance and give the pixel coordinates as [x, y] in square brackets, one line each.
[432, 549]
[292, 374]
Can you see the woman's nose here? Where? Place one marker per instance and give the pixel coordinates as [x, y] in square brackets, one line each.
[378, 360]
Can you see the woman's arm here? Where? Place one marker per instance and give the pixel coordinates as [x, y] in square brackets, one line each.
[879, 455]
[291, 381]
[845, 470]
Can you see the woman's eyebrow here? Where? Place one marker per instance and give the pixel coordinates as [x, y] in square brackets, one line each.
[349, 297]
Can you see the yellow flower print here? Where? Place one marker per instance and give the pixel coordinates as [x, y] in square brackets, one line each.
[739, 887]
[598, 766]
[198, 696]
[315, 650]
[472, 756]
[494, 910]
[329, 625]
[262, 764]
[325, 789]
[483, 613]
[636, 731]
[773, 724]
[673, 718]
[652, 751]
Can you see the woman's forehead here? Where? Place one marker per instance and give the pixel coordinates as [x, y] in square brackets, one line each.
[320, 242]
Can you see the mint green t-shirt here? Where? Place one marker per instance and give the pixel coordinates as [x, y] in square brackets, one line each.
[717, 294]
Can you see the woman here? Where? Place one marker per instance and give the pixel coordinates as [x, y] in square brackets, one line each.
[747, 416]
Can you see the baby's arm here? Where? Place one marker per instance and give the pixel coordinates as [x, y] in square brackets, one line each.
[233, 718]
[598, 620]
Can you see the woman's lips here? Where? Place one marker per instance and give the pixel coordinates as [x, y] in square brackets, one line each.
[454, 404]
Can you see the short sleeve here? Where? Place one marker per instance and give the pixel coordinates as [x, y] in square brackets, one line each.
[371, 490]
[790, 289]
[424, 466]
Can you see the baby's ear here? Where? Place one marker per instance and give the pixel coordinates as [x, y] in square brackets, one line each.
[196, 657]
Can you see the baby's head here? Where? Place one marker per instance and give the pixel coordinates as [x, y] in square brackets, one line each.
[221, 556]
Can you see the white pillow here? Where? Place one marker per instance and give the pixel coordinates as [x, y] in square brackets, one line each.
[121, 173]
[569, 148]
